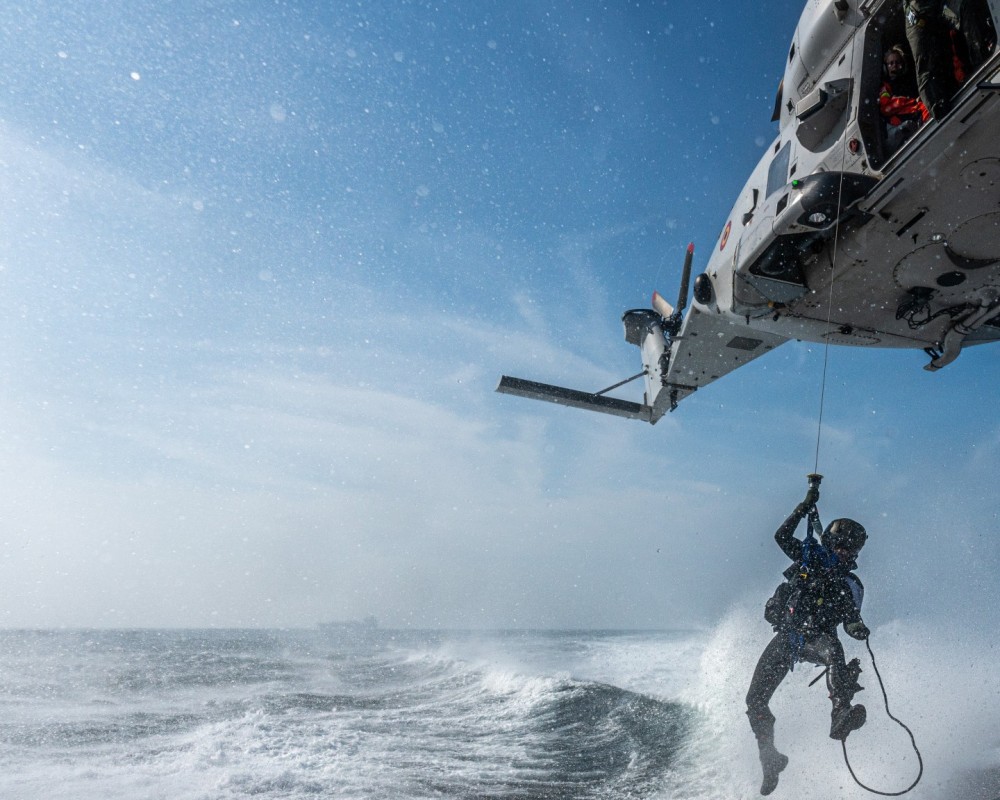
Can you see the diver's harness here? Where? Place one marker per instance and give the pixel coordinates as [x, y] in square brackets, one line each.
[780, 612]
[793, 609]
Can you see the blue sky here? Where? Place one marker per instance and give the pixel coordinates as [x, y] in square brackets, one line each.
[262, 264]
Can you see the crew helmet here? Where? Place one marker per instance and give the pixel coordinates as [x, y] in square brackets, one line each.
[845, 534]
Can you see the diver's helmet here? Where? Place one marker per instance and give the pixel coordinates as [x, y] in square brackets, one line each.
[845, 534]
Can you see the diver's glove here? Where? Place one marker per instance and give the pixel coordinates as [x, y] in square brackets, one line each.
[857, 630]
[812, 496]
[807, 505]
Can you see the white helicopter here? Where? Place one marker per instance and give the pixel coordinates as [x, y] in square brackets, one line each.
[835, 239]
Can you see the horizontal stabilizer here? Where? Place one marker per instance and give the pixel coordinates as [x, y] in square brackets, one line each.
[572, 397]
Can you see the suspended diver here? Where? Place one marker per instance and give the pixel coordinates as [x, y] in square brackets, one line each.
[819, 593]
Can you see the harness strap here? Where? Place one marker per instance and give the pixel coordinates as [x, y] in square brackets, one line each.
[810, 548]
[815, 528]
[795, 642]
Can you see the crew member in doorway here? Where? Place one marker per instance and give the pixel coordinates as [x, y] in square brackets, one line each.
[820, 592]
[902, 111]
[930, 29]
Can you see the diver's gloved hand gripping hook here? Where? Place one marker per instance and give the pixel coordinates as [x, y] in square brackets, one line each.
[812, 496]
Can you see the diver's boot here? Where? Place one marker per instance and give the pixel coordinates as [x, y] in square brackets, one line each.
[846, 718]
[772, 762]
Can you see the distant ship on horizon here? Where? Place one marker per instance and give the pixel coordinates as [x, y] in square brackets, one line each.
[366, 624]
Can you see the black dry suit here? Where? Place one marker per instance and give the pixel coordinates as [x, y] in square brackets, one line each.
[820, 592]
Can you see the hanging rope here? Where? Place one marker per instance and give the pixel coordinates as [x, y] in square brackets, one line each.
[901, 724]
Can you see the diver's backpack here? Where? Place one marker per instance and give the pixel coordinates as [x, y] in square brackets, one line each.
[803, 603]
[800, 604]
[775, 607]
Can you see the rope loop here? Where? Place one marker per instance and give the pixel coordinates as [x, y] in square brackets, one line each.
[901, 724]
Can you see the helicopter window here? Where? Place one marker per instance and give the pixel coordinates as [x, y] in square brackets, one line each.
[777, 173]
[776, 114]
[823, 113]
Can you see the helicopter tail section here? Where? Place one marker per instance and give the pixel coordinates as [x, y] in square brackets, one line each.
[589, 401]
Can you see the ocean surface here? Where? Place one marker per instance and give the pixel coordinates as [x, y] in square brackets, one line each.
[416, 714]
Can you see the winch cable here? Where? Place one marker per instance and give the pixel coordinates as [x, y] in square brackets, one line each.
[829, 313]
[822, 400]
[829, 307]
[833, 278]
[913, 741]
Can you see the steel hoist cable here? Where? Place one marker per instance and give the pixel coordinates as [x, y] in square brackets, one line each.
[833, 278]
[829, 304]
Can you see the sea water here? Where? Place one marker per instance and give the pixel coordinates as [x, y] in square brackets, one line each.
[519, 714]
